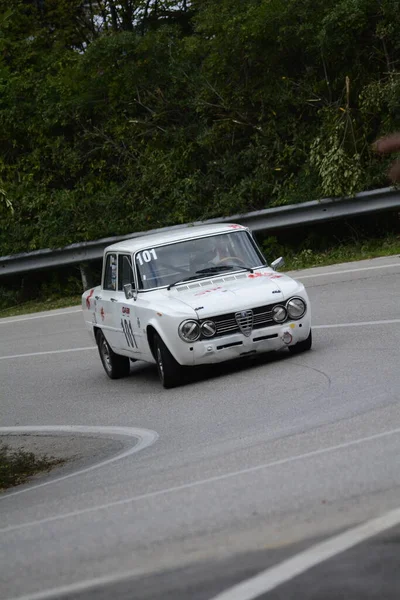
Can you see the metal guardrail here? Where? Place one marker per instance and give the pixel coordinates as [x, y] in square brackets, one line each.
[268, 220]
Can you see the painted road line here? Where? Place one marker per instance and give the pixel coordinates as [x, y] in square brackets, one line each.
[359, 270]
[10, 320]
[47, 352]
[255, 586]
[333, 326]
[357, 324]
[201, 482]
[145, 438]
[288, 569]
[79, 587]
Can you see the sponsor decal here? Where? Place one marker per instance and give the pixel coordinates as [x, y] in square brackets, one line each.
[126, 310]
[216, 289]
[270, 275]
[102, 314]
[236, 226]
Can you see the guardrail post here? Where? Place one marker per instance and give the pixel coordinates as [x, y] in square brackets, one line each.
[86, 276]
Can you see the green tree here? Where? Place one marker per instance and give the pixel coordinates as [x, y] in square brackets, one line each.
[122, 116]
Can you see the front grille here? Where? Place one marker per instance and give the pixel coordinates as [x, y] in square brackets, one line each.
[245, 321]
[262, 317]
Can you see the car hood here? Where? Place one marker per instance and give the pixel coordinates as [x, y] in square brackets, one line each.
[242, 291]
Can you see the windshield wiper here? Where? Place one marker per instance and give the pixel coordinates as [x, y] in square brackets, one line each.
[218, 268]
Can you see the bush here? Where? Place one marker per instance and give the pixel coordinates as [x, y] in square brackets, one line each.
[17, 465]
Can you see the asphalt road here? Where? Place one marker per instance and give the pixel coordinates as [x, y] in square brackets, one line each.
[244, 467]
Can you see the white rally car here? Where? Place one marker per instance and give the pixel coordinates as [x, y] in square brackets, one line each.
[193, 296]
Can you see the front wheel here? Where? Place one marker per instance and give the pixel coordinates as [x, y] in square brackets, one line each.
[302, 346]
[115, 365]
[169, 370]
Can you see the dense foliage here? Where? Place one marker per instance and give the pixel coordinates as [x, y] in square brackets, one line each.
[118, 116]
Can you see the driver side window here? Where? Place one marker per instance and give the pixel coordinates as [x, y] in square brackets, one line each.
[125, 272]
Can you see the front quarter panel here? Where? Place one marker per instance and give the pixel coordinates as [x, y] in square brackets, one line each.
[164, 317]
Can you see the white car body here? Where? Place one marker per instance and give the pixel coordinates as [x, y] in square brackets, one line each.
[129, 324]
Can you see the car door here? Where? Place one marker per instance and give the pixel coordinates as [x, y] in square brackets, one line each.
[125, 310]
[107, 298]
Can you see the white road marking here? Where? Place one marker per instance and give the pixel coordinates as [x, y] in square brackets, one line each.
[193, 484]
[10, 320]
[288, 569]
[346, 271]
[145, 438]
[47, 352]
[357, 324]
[264, 581]
[76, 588]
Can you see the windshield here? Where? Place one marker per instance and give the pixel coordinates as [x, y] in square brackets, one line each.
[193, 259]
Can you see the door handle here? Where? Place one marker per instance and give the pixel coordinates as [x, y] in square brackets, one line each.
[114, 299]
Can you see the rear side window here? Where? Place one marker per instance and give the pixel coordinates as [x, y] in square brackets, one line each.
[110, 273]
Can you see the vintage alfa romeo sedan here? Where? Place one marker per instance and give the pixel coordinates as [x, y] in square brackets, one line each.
[193, 296]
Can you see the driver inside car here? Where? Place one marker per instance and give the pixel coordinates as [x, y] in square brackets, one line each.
[217, 253]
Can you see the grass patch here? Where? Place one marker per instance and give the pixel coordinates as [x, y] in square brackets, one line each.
[307, 257]
[16, 466]
[40, 305]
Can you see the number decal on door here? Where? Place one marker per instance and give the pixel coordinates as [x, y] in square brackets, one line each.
[128, 332]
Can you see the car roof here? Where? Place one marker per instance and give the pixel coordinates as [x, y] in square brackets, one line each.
[176, 235]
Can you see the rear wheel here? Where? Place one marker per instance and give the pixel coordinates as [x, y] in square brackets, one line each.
[302, 346]
[169, 370]
[115, 365]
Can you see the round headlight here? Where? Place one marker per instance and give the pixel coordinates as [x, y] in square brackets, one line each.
[279, 313]
[296, 308]
[208, 328]
[189, 331]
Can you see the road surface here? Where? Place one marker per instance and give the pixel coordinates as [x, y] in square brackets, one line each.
[229, 477]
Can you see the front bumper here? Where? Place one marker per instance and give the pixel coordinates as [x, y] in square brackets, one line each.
[237, 345]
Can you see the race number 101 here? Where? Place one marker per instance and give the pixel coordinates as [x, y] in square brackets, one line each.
[146, 256]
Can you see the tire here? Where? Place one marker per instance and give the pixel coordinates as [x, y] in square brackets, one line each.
[115, 365]
[169, 370]
[303, 346]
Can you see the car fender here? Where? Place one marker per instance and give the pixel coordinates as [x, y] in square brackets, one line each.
[167, 331]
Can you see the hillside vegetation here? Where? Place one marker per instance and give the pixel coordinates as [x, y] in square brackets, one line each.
[124, 115]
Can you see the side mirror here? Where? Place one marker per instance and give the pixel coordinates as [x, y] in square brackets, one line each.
[278, 263]
[128, 291]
